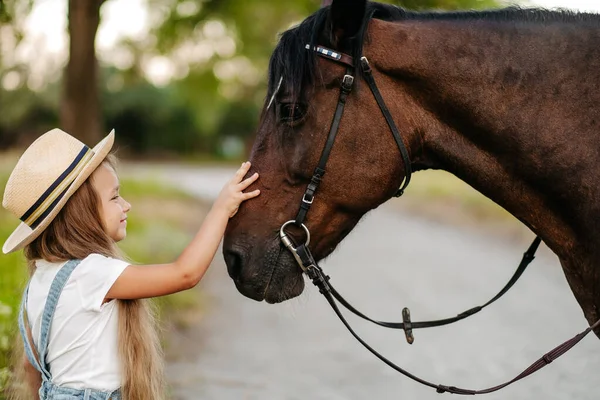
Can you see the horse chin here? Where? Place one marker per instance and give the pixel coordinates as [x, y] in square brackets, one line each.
[278, 279]
[286, 281]
[279, 291]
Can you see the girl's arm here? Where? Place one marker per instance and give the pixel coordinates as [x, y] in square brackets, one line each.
[33, 378]
[142, 281]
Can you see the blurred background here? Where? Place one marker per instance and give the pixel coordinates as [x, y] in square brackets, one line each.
[182, 82]
[175, 78]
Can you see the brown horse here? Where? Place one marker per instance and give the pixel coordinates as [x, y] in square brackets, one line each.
[506, 100]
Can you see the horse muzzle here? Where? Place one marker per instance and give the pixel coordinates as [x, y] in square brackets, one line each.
[271, 274]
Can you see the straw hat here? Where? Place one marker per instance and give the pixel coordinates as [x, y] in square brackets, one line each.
[44, 179]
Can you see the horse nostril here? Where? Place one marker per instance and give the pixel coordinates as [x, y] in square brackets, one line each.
[234, 262]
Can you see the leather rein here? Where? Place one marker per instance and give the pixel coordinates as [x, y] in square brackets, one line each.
[310, 267]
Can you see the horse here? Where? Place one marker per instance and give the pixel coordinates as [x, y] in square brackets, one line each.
[506, 100]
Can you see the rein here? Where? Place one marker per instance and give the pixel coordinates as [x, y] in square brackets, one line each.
[310, 267]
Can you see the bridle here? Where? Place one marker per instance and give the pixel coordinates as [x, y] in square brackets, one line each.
[309, 266]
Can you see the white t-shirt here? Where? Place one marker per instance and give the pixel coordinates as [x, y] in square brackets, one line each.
[83, 347]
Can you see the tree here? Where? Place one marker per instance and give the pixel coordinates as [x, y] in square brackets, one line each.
[80, 113]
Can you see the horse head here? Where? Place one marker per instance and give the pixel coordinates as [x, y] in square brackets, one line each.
[364, 167]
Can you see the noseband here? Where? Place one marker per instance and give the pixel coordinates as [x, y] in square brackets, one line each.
[307, 263]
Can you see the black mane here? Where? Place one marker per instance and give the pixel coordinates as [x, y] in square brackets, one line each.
[296, 65]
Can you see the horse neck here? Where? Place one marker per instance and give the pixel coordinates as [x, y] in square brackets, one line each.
[507, 109]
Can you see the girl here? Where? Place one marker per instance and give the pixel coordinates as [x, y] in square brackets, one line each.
[86, 332]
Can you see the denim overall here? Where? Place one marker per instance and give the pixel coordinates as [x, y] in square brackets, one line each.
[48, 390]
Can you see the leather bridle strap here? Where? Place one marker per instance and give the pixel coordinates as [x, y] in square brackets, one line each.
[346, 88]
[333, 55]
[368, 75]
[319, 279]
[408, 325]
[311, 189]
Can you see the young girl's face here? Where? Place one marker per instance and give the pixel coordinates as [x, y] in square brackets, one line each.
[113, 208]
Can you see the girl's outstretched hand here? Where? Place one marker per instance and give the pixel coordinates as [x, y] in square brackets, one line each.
[139, 282]
[232, 194]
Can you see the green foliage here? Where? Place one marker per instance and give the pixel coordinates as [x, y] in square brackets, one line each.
[148, 119]
[254, 24]
[231, 35]
[23, 112]
[12, 14]
[12, 17]
[4, 15]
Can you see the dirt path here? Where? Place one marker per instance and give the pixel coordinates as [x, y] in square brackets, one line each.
[241, 349]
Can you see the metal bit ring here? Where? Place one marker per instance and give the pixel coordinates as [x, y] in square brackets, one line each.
[283, 235]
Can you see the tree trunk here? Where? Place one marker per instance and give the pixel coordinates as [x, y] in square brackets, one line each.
[80, 106]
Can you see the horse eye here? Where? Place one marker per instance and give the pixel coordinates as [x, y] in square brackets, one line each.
[291, 112]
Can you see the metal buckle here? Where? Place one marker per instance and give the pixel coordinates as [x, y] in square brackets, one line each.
[305, 200]
[365, 64]
[348, 81]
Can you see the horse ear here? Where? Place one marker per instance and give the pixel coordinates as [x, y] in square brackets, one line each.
[346, 17]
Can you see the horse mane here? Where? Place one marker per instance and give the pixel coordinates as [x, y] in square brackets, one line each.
[297, 67]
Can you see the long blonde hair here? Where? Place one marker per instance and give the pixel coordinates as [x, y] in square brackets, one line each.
[75, 233]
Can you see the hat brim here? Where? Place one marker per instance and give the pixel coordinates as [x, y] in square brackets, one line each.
[24, 235]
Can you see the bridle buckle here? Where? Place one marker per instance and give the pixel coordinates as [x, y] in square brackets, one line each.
[308, 199]
[347, 82]
[365, 64]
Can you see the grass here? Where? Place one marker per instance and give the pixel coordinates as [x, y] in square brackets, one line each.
[13, 276]
[161, 223]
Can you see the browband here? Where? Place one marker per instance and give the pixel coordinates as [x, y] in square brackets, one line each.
[333, 55]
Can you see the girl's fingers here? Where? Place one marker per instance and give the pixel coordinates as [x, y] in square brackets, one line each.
[247, 182]
[242, 171]
[251, 194]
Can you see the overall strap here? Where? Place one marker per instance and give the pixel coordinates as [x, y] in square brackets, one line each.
[29, 352]
[50, 307]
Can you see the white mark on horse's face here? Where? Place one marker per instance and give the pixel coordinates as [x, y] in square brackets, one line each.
[275, 93]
